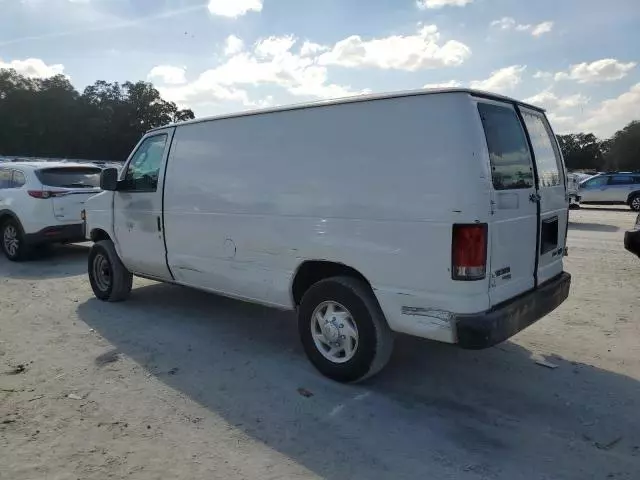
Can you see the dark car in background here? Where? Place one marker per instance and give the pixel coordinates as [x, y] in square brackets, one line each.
[632, 238]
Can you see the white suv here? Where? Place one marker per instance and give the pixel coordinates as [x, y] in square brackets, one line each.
[41, 202]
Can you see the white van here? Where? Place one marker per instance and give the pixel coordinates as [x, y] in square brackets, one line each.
[437, 213]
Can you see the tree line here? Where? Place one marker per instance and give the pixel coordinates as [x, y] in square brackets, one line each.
[621, 152]
[50, 118]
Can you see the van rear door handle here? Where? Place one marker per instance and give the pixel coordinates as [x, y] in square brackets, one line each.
[534, 197]
[159, 224]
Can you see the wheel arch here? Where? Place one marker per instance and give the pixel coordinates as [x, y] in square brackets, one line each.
[632, 195]
[8, 214]
[98, 234]
[311, 272]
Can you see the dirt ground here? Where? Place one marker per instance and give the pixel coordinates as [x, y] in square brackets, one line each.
[177, 384]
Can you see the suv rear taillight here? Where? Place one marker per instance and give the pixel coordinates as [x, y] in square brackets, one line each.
[469, 252]
[47, 193]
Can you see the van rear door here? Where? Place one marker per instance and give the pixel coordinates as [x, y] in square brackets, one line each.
[514, 226]
[552, 194]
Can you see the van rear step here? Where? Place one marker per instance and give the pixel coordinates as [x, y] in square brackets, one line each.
[483, 330]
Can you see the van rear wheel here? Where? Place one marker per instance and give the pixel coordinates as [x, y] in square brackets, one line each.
[343, 330]
[634, 203]
[109, 278]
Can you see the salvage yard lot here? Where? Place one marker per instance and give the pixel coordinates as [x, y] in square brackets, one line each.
[180, 384]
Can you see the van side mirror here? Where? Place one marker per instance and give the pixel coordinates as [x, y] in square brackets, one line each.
[109, 179]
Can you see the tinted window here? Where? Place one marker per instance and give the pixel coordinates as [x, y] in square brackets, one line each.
[595, 182]
[508, 151]
[547, 159]
[144, 168]
[621, 180]
[5, 178]
[18, 179]
[70, 177]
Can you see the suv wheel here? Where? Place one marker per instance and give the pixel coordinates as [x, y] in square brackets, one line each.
[109, 278]
[13, 244]
[343, 330]
[634, 203]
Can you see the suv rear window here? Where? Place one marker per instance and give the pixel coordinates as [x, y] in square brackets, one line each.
[511, 166]
[70, 177]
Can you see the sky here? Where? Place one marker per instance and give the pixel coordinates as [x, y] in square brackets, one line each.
[576, 58]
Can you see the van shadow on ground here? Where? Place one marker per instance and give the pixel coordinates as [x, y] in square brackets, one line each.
[435, 412]
[54, 261]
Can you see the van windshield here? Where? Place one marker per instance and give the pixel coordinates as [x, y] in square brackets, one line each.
[70, 177]
[511, 165]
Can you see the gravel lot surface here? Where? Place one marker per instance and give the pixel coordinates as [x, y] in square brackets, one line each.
[177, 384]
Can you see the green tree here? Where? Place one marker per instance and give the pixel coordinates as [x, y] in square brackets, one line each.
[581, 151]
[623, 153]
[49, 118]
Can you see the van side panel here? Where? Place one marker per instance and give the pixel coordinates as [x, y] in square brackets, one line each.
[375, 185]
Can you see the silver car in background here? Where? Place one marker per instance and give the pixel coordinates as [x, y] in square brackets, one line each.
[612, 189]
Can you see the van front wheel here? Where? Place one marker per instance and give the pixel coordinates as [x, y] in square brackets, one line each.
[109, 278]
[343, 330]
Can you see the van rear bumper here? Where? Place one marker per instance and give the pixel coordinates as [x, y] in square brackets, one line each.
[483, 330]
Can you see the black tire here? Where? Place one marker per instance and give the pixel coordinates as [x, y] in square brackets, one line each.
[114, 282]
[634, 203]
[375, 338]
[19, 250]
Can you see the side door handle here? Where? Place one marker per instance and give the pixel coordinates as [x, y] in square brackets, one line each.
[159, 224]
[534, 197]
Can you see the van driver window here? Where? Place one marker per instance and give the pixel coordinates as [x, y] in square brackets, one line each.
[144, 168]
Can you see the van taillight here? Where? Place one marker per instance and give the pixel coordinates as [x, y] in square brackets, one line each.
[469, 252]
[46, 193]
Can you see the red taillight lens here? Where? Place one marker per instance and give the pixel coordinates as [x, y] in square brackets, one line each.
[469, 252]
[46, 193]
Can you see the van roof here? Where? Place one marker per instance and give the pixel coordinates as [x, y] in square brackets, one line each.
[354, 99]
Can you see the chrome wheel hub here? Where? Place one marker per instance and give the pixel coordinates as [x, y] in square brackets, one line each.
[334, 332]
[10, 240]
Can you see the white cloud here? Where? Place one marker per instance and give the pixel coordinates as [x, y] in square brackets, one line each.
[449, 84]
[543, 75]
[550, 100]
[561, 124]
[234, 8]
[613, 114]
[541, 28]
[33, 68]
[168, 74]
[501, 80]
[509, 23]
[274, 46]
[271, 63]
[409, 52]
[233, 45]
[425, 4]
[605, 70]
[311, 48]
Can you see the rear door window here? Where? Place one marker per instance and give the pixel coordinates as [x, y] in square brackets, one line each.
[70, 177]
[620, 180]
[547, 157]
[5, 179]
[18, 179]
[511, 166]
